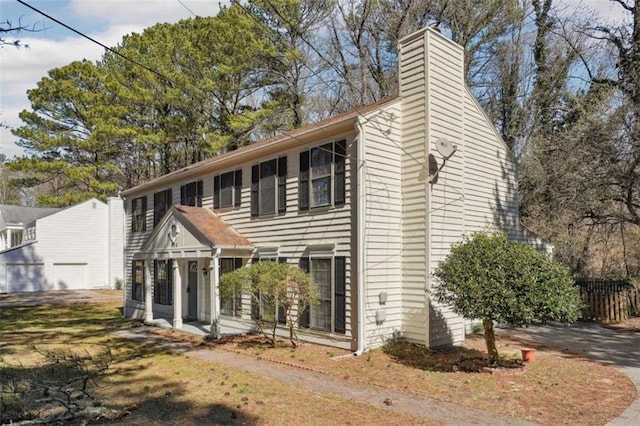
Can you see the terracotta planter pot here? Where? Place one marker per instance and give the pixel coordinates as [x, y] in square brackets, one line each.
[528, 354]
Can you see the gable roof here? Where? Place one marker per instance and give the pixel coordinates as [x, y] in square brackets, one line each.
[17, 215]
[212, 227]
[256, 149]
[185, 230]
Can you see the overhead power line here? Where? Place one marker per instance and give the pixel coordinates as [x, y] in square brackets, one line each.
[185, 6]
[115, 52]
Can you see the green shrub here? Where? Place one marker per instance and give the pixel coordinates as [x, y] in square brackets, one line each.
[489, 278]
[272, 286]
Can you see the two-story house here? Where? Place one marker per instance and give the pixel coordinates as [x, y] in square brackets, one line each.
[368, 202]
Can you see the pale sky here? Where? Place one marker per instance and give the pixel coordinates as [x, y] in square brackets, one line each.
[107, 21]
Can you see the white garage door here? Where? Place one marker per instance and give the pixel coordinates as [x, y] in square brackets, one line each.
[23, 277]
[70, 276]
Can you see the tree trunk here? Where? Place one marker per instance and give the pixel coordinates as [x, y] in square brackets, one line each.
[490, 340]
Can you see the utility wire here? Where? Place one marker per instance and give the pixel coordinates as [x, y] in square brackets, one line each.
[164, 77]
[185, 6]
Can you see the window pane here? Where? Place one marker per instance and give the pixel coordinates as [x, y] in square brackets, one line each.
[268, 187]
[321, 192]
[138, 280]
[226, 190]
[230, 305]
[321, 273]
[321, 161]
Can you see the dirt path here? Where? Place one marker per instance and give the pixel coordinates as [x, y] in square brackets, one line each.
[431, 409]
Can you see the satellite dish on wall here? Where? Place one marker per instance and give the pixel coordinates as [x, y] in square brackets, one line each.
[445, 147]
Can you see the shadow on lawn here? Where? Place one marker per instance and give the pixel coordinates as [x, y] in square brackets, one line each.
[127, 385]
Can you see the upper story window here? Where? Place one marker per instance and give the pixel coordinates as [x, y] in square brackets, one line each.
[322, 176]
[269, 187]
[139, 214]
[161, 202]
[227, 189]
[191, 194]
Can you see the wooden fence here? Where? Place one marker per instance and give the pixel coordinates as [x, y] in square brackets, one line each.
[608, 300]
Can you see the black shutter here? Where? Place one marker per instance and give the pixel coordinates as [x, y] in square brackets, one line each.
[237, 187]
[216, 192]
[170, 281]
[134, 225]
[340, 294]
[305, 315]
[183, 195]
[157, 208]
[255, 179]
[340, 157]
[303, 183]
[282, 319]
[282, 184]
[199, 191]
[255, 299]
[144, 214]
[156, 293]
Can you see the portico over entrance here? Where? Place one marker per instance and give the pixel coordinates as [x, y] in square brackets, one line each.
[181, 261]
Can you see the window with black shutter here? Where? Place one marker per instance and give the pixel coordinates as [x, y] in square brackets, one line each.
[227, 189]
[322, 177]
[162, 201]
[137, 286]
[305, 314]
[163, 282]
[139, 214]
[329, 276]
[191, 194]
[230, 305]
[269, 187]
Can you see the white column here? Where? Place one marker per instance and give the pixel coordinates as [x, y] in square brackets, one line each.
[148, 299]
[8, 238]
[214, 284]
[177, 296]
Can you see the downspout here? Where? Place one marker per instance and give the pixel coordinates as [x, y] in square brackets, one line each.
[124, 253]
[214, 282]
[360, 237]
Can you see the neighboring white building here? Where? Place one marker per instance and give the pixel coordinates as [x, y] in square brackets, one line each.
[369, 202]
[79, 247]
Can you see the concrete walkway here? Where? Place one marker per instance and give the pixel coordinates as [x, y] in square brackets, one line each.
[420, 407]
[619, 349]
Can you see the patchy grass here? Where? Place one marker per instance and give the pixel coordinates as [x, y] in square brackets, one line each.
[557, 388]
[167, 388]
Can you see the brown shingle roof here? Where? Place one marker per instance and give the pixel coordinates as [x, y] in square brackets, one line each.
[212, 227]
[241, 152]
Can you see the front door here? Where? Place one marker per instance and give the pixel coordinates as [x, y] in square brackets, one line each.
[192, 290]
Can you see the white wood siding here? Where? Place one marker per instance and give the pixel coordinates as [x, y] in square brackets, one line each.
[446, 121]
[490, 175]
[382, 190]
[413, 92]
[292, 232]
[76, 236]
